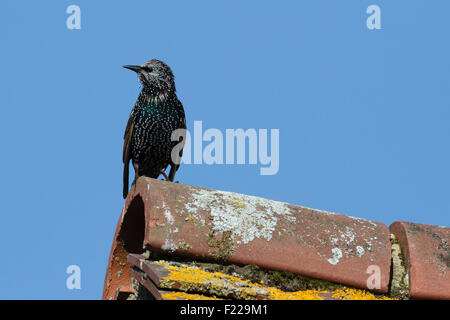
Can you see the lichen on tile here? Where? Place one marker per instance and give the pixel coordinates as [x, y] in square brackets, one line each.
[246, 217]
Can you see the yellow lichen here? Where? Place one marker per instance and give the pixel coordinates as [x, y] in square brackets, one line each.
[220, 284]
[177, 295]
[191, 218]
[356, 294]
[277, 294]
[237, 203]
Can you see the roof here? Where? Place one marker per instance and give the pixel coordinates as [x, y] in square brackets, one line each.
[178, 241]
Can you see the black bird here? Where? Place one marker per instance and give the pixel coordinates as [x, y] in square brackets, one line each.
[156, 114]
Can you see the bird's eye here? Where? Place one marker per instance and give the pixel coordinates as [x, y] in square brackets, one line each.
[148, 69]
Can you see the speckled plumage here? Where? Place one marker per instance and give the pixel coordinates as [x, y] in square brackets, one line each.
[155, 115]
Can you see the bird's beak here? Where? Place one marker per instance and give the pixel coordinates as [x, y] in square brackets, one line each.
[133, 68]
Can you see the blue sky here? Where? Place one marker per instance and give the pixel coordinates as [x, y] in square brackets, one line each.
[363, 115]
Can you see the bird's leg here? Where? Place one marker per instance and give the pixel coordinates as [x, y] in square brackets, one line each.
[163, 172]
[136, 175]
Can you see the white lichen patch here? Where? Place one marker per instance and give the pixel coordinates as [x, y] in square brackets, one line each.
[364, 221]
[169, 218]
[348, 236]
[360, 251]
[334, 240]
[246, 217]
[192, 209]
[337, 255]
[169, 245]
[345, 244]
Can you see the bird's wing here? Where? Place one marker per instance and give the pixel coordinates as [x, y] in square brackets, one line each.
[126, 153]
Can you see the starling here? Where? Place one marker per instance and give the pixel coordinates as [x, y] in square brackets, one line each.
[156, 114]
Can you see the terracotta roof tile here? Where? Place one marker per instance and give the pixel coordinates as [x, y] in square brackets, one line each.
[427, 253]
[180, 221]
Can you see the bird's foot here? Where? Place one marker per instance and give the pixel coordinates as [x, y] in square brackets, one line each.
[165, 175]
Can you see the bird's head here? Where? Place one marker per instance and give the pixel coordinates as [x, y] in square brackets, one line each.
[155, 76]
